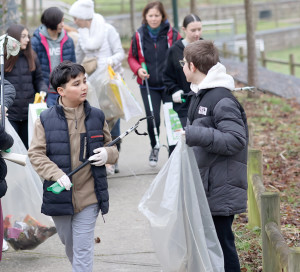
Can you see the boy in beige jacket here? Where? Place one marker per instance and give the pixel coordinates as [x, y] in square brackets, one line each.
[66, 135]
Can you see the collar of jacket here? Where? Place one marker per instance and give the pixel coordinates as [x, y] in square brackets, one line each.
[60, 109]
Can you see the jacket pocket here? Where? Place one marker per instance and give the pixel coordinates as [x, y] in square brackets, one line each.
[83, 147]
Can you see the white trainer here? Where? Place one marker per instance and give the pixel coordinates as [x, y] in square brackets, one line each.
[4, 246]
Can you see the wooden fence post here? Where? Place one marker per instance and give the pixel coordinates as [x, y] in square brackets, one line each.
[254, 167]
[270, 212]
[291, 64]
[225, 50]
[294, 260]
[241, 54]
[263, 58]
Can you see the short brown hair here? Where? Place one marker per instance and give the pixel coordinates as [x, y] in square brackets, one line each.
[157, 5]
[203, 54]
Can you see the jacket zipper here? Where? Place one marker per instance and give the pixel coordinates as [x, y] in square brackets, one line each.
[84, 148]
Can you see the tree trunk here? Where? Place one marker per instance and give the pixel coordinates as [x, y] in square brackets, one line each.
[193, 7]
[24, 12]
[132, 16]
[251, 51]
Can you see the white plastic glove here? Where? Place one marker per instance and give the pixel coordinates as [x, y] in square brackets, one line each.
[99, 158]
[176, 97]
[43, 95]
[64, 181]
[109, 61]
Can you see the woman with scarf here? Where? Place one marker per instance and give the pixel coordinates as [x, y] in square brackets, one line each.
[100, 42]
[150, 45]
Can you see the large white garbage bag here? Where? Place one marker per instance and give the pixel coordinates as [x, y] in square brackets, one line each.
[181, 225]
[25, 227]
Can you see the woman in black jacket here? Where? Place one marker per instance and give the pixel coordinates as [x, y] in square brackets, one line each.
[149, 45]
[24, 73]
[174, 78]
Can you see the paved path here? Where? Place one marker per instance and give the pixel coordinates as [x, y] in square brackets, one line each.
[125, 240]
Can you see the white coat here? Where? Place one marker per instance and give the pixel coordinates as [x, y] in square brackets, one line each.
[102, 41]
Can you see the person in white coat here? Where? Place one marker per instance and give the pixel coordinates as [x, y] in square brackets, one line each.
[99, 40]
[96, 37]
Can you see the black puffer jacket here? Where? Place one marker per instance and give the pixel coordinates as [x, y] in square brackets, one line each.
[218, 132]
[6, 141]
[174, 77]
[26, 84]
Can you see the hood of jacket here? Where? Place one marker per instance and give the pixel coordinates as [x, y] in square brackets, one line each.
[44, 32]
[216, 77]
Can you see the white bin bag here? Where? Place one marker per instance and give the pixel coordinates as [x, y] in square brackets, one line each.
[25, 227]
[182, 229]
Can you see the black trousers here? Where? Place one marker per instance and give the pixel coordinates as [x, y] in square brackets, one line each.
[223, 226]
[157, 97]
[21, 127]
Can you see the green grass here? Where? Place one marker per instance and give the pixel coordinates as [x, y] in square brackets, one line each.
[122, 6]
[284, 55]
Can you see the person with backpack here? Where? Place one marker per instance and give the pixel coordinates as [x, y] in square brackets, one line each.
[174, 78]
[149, 45]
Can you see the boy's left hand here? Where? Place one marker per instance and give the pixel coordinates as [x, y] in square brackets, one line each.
[100, 158]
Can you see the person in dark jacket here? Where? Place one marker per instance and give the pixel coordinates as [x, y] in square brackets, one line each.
[52, 45]
[218, 132]
[23, 71]
[149, 45]
[174, 78]
[6, 141]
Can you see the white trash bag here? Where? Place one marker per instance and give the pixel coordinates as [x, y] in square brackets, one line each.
[25, 227]
[182, 229]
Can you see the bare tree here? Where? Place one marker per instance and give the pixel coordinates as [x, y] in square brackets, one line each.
[132, 16]
[193, 7]
[251, 50]
[24, 12]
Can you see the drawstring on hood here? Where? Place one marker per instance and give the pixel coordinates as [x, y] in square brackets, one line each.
[216, 77]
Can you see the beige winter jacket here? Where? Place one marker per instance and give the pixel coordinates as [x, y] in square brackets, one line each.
[83, 193]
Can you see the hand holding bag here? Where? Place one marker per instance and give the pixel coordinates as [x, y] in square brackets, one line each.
[181, 225]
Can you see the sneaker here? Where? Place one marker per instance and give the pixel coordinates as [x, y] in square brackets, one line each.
[153, 157]
[117, 170]
[4, 246]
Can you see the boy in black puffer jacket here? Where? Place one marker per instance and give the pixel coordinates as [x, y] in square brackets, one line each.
[218, 132]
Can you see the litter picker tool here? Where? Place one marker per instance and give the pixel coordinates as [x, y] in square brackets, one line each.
[56, 188]
[247, 88]
[157, 146]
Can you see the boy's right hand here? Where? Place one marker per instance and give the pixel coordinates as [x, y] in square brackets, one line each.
[64, 181]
